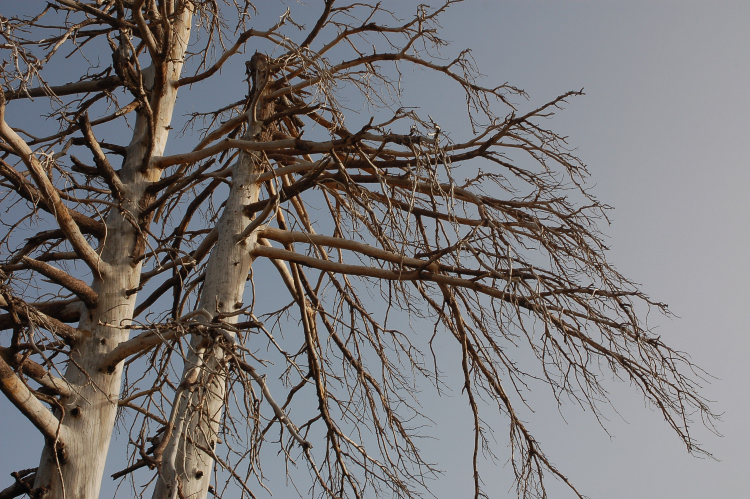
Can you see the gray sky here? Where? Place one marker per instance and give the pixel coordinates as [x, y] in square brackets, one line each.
[663, 129]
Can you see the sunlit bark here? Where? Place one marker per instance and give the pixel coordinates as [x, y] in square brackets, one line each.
[87, 415]
[271, 286]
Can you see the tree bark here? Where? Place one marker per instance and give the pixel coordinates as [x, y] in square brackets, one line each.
[186, 466]
[88, 414]
[187, 460]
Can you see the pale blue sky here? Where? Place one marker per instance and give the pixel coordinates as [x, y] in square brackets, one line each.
[663, 128]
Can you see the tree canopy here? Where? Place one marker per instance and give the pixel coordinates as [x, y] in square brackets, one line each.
[255, 281]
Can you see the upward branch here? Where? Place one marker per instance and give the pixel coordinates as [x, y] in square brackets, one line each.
[52, 197]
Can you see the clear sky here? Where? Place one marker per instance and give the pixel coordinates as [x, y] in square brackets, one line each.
[663, 128]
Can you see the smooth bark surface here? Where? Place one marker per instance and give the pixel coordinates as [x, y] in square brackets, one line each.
[88, 415]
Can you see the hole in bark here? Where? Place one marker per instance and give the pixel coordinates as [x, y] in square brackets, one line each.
[75, 412]
[62, 455]
[103, 341]
[199, 474]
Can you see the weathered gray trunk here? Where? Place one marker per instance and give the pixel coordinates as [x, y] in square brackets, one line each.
[89, 413]
[198, 406]
[186, 464]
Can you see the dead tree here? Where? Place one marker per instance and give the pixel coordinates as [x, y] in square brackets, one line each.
[270, 287]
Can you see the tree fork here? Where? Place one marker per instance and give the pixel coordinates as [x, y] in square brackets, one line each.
[88, 414]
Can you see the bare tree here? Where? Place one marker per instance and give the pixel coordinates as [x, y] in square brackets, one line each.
[269, 290]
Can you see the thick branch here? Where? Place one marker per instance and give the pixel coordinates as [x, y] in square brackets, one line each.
[292, 146]
[35, 371]
[58, 311]
[146, 341]
[20, 396]
[87, 295]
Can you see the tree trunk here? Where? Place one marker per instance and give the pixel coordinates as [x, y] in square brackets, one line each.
[197, 410]
[88, 414]
[198, 404]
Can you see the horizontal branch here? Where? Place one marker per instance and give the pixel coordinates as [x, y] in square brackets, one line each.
[419, 274]
[294, 145]
[246, 145]
[144, 341]
[423, 212]
[78, 87]
[336, 267]
[300, 166]
[288, 237]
